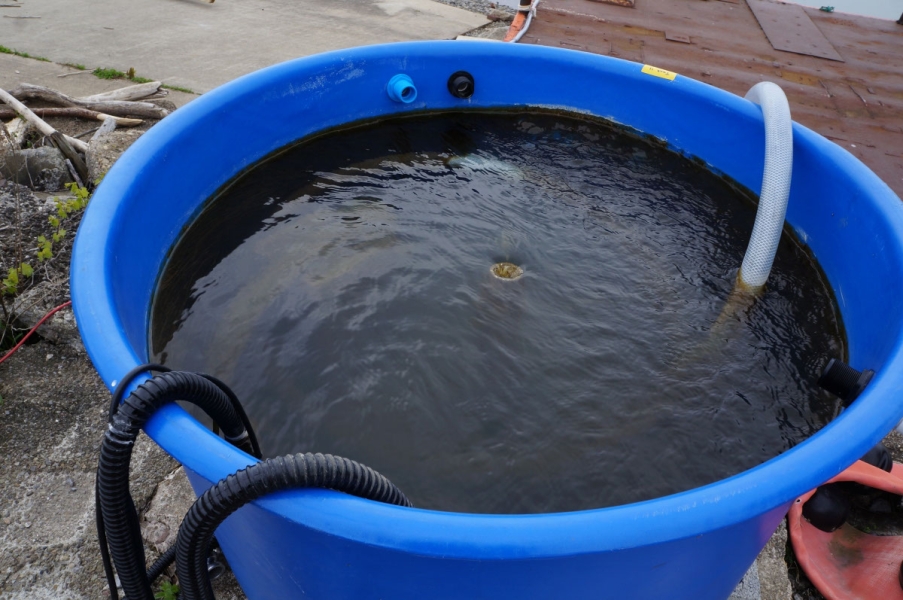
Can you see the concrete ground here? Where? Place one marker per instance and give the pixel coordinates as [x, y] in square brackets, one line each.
[197, 45]
[52, 403]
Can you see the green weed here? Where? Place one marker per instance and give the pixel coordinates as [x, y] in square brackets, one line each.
[14, 52]
[117, 74]
[109, 74]
[15, 276]
[64, 209]
[167, 591]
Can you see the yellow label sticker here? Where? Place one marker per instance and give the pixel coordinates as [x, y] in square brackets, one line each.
[656, 72]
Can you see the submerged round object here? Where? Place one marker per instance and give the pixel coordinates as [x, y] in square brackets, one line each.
[322, 544]
[506, 271]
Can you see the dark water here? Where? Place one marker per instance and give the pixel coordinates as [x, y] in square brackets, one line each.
[343, 289]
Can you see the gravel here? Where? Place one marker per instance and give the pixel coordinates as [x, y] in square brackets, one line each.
[481, 6]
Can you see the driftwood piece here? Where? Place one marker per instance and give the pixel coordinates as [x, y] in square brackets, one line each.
[41, 125]
[75, 73]
[17, 129]
[119, 108]
[73, 111]
[62, 142]
[132, 92]
[74, 172]
[103, 150]
[107, 127]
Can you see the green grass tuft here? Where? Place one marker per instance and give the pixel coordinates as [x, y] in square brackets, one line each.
[109, 74]
[117, 74]
[5, 50]
[78, 66]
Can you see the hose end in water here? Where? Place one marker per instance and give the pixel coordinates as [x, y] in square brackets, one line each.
[776, 175]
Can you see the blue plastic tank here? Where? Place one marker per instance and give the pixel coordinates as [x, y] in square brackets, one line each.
[322, 544]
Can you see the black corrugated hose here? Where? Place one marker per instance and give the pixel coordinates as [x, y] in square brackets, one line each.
[117, 519]
[116, 509]
[272, 475]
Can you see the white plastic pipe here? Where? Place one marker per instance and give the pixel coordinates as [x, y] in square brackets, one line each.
[766, 233]
[530, 14]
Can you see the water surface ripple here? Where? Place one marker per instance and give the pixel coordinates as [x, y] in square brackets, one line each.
[343, 289]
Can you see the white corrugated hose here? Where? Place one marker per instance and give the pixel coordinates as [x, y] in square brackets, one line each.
[766, 233]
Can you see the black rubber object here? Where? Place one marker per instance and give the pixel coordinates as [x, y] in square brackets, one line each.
[844, 381]
[117, 517]
[123, 385]
[461, 85]
[828, 507]
[273, 475]
[240, 411]
[879, 457]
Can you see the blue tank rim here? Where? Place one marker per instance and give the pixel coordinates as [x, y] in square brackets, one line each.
[769, 486]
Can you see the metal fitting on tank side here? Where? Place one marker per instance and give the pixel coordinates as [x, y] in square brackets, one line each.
[401, 89]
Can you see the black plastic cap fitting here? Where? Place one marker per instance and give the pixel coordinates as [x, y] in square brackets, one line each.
[828, 507]
[461, 84]
[216, 566]
[844, 381]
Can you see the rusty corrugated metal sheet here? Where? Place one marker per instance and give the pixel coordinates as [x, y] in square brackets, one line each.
[857, 103]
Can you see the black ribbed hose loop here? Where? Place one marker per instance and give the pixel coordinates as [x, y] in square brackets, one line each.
[272, 475]
[119, 517]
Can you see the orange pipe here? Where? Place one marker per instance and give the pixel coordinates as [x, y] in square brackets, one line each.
[516, 25]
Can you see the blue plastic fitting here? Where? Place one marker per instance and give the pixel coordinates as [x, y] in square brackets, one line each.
[401, 89]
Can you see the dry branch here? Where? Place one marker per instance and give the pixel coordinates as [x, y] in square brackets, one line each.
[65, 143]
[62, 142]
[35, 120]
[118, 107]
[132, 92]
[73, 111]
